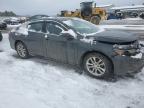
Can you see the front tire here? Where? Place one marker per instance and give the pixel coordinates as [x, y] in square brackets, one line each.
[22, 50]
[98, 66]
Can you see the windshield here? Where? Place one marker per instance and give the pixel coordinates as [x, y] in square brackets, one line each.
[82, 26]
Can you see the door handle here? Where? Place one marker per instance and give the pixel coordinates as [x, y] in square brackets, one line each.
[46, 37]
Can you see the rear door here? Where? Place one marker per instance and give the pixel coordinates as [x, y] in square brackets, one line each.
[35, 38]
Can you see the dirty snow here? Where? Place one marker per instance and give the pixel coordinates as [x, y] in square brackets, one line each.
[38, 83]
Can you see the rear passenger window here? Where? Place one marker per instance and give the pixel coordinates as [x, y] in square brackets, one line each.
[36, 27]
[54, 28]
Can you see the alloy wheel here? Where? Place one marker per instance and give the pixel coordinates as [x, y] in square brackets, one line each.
[96, 66]
[21, 50]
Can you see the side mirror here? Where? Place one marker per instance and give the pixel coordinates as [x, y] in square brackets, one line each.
[67, 36]
[70, 34]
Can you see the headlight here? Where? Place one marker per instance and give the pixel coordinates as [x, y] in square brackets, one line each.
[134, 45]
[119, 49]
[119, 52]
[120, 46]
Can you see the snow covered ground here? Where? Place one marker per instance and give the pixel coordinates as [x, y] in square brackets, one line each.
[127, 21]
[133, 19]
[123, 27]
[38, 83]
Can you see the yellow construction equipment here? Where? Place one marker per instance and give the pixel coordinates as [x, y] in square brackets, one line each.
[88, 12]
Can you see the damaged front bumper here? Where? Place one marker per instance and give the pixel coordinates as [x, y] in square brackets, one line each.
[128, 64]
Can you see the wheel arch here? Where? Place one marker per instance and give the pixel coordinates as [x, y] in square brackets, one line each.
[89, 52]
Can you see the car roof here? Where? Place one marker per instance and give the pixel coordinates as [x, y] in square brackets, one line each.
[53, 18]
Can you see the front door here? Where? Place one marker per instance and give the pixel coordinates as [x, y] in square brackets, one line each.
[56, 44]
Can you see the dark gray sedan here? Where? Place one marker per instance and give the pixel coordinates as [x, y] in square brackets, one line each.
[77, 42]
[3, 25]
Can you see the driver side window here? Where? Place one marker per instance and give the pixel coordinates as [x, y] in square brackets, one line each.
[54, 28]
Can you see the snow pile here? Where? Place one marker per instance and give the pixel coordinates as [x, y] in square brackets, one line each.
[38, 83]
[22, 30]
[87, 40]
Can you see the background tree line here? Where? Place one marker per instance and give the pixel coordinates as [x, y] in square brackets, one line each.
[7, 13]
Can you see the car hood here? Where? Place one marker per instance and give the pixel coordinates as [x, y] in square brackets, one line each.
[113, 37]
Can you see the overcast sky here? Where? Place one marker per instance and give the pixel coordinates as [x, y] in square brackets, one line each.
[52, 7]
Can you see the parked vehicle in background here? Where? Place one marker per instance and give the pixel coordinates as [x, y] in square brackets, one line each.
[119, 15]
[111, 16]
[1, 37]
[7, 21]
[3, 25]
[37, 17]
[22, 19]
[142, 15]
[100, 53]
[134, 15]
[115, 15]
[12, 21]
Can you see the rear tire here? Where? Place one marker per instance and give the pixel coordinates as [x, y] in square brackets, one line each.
[22, 50]
[98, 66]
